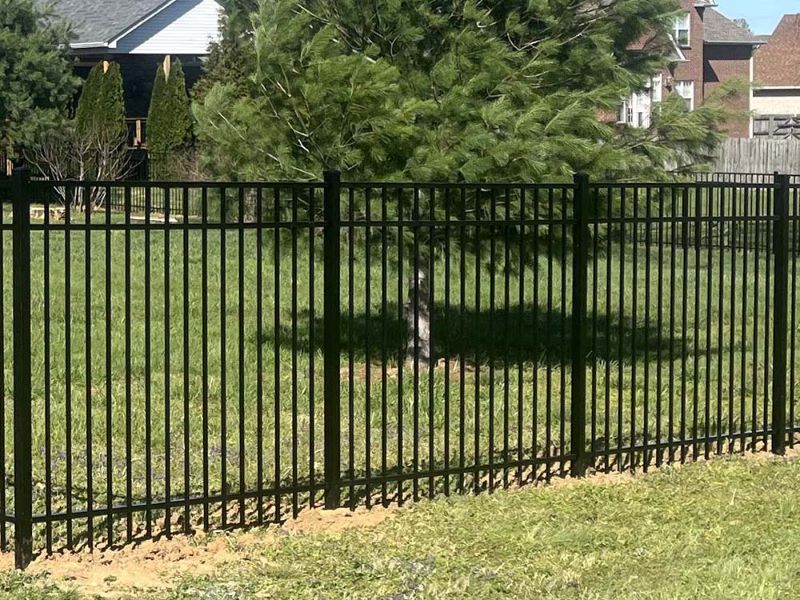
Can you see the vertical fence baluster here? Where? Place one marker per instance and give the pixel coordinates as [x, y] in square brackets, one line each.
[332, 384]
[780, 333]
[23, 479]
[580, 266]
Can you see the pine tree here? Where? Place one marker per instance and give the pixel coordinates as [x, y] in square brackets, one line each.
[169, 121]
[101, 109]
[433, 90]
[36, 80]
[232, 55]
[492, 90]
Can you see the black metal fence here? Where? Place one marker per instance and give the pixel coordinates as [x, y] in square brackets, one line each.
[759, 178]
[292, 345]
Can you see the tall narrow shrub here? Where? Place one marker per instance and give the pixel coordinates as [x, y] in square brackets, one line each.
[169, 121]
[101, 108]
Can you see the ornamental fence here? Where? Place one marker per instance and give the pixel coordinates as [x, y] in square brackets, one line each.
[254, 349]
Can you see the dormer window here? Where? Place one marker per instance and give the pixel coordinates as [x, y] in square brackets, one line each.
[682, 30]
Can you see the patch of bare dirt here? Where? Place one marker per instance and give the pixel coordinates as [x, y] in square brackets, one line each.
[144, 566]
[334, 521]
[160, 564]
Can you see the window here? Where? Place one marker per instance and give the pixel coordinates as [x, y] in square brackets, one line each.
[658, 87]
[642, 112]
[682, 30]
[685, 90]
[635, 110]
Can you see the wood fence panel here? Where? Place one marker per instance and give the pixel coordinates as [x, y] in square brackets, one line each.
[758, 155]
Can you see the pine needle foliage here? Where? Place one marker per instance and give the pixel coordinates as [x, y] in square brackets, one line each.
[478, 90]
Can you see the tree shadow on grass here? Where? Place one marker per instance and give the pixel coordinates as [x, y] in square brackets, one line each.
[515, 336]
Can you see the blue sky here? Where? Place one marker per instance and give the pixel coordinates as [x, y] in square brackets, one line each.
[763, 15]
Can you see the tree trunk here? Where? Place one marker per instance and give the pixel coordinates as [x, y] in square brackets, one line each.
[418, 320]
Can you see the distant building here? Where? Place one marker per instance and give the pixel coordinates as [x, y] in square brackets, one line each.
[710, 49]
[776, 99]
[139, 34]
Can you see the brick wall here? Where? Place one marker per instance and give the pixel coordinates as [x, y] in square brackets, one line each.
[723, 63]
[693, 69]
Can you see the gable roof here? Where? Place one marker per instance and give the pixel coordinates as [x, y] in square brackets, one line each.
[777, 63]
[719, 29]
[99, 22]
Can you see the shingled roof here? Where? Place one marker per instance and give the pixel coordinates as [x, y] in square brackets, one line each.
[778, 63]
[98, 22]
[719, 29]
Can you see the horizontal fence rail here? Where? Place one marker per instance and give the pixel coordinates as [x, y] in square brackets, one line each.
[229, 354]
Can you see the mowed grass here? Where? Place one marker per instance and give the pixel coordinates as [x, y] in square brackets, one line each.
[725, 529]
[693, 361]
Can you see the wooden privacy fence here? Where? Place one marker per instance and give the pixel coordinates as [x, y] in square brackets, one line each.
[758, 155]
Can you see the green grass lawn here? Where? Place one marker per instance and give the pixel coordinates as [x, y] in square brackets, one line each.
[725, 529]
[712, 311]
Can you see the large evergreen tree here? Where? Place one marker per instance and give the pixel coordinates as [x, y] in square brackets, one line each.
[169, 121]
[476, 90]
[36, 80]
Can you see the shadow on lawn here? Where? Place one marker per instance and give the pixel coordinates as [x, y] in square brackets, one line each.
[389, 486]
[521, 336]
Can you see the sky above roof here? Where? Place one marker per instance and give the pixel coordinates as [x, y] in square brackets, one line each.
[762, 15]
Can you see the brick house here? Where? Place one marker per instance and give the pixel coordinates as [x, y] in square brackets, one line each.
[710, 49]
[776, 98]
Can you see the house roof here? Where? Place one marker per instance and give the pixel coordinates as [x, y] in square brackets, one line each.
[777, 64]
[719, 29]
[99, 22]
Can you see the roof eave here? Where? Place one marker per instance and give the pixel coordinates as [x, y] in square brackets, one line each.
[734, 42]
[88, 45]
[133, 26]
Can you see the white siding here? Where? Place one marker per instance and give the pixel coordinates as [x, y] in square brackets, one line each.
[184, 27]
[766, 103]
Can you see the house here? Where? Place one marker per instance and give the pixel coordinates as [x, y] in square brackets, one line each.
[709, 50]
[776, 99]
[139, 35]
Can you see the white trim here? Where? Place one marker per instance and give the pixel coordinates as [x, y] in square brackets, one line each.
[776, 87]
[113, 42]
[678, 51]
[752, 95]
[88, 45]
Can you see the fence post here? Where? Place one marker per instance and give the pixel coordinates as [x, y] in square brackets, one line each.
[580, 292]
[781, 292]
[331, 342]
[23, 488]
